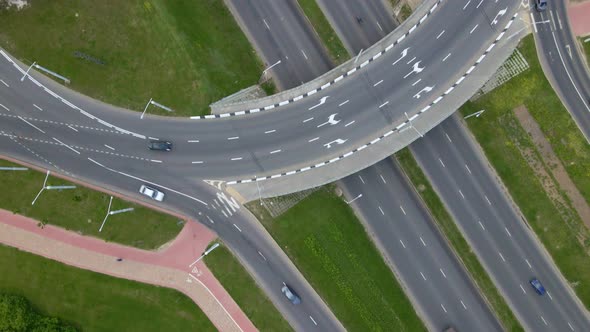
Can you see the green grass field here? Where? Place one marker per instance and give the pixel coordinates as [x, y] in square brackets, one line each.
[183, 54]
[586, 46]
[244, 290]
[82, 210]
[94, 302]
[459, 244]
[500, 135]
[338, 54]
[328, 244]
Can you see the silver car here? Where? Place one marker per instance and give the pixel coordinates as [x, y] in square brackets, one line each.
[152, 193]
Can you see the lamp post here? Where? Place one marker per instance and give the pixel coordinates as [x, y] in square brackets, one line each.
[215, 245]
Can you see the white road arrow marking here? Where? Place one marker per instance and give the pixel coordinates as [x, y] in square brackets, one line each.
[415, 69]
[337, 141]
[569, 50]
[330, 121]
[215, 183]
[322, 101]
[500, 14]
[426, 89]
[404, 53]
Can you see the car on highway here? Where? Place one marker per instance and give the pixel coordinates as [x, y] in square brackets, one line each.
[290, 294]
[159, 145]
[541, 5]
[537, 286]
[152, 193]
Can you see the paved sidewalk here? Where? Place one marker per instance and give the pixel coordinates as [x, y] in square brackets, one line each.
[168, 267]
[579, 14]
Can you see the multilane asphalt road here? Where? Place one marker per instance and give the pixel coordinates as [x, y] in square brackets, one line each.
[49, 125]
[435, 282]
[298, 135]
[562, 62]
[497, 233]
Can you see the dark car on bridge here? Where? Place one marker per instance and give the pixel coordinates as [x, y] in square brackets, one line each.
[537, 286]
[160, 145]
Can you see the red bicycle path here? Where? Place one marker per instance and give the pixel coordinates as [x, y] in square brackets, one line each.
[172, 261]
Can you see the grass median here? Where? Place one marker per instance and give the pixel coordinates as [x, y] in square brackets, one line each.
[458, 243]
[585, 41]
[244, 290]
[91, 301]
[183, 54]
[500, 135]
[328, 244]
[327, 35]
[82, 210]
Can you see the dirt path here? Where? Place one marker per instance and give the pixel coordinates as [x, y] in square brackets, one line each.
[168, 267]
[554, 164]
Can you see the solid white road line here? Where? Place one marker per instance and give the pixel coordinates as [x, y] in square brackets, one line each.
[410, 61]
[67, 146]
[487, 199]
[270, 131]
[468, 170]
[263, 20]
[443, 273]
[275, 151]
[460, 192]
[348, 124]
[233, 138]
[110, 147]
[443, 307]
[475, 27]
[403, 211]
[193, 141]
[197, 162]
[156, 161]
[30, 124]
[534, 23]
[313, 139]
[237, 158]
[480, 224]
[8, 86]
[441, 162]
[313, 321]
[501, 256]
[445, 58]
[402, 242]
[382, 179]
[447, 135]
[307, 120]
[507, 231]
[440, 34]
[385, 103]
[363, 181]
[4, 107]
[527, 262]
[422, 274]
[549, 294]
[238, 228]
[74, 129]
[418, 81]
[543, 319]
[467, 4]
[305, 55]
[383, 213]
[37, 107]
[463, 304]
[344, 103]
[378, 83]
[479, 4]
[522, 288]
[261, 255]
[571, 327]
[422, 240]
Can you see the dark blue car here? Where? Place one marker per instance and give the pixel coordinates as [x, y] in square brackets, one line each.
[537, 286]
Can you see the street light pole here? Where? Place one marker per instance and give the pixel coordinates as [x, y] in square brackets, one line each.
[269, 68]
[215, 245]
[110, 213]
[354, 199]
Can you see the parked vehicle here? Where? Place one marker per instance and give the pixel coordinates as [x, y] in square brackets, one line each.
[541, 5]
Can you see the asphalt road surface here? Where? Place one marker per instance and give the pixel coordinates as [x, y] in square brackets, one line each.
[497, 233]
[381, 196]
[439, 288]
[48, 125]
[562, 62]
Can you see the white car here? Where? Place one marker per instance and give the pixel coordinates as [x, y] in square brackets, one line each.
[151, 193]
